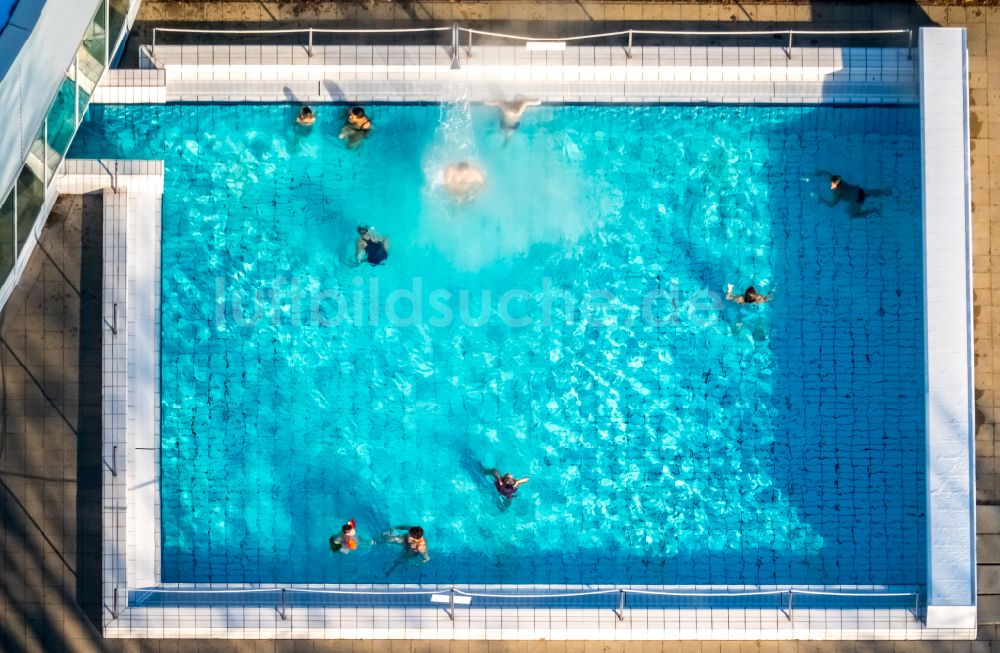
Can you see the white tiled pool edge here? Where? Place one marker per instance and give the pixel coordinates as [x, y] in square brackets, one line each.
[128, 546]
[951, 531]
[130, 358]
[338, 73]
[523, 624]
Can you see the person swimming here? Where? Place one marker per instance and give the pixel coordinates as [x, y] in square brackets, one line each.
[507, 485]
[356, 128]
[413, 542]
[853, 196]
[370, 247]
[346, 541]
[749, 296]
[306, 117]
[512, 111]
[463, 181]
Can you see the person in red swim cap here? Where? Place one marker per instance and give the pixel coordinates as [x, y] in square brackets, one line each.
[346, 541]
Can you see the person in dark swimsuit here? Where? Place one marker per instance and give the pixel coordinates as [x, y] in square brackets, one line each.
[507, 485]
[511, 112]
[853, 196]
[307, 118]
[749, 296]
[370, 247]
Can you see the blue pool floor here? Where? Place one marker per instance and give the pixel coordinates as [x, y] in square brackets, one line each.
[693, 442]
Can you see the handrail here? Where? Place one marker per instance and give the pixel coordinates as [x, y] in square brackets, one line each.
[456, 30]
[561, 595]
[790, 33]
[556, 39]
[657, 32]
[723, 593]
[623, 592]
[300, 30]
[304, 590]
[516, 595]
[852, 593]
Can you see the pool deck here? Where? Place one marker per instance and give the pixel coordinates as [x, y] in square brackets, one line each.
[50, 462]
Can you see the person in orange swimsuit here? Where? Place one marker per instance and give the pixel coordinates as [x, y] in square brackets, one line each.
[346, 541]
[413, 542]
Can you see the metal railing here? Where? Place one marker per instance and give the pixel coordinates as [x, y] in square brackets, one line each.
[629, 34]
[310, 32]
[618, 599]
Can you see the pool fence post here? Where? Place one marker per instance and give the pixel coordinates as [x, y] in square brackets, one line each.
[455, 64]
[621, 605]
[45, 153]
[309, 48]
[114, 319]
[916, 606]
[114, 604]
[909, 45]
[76, 86]
[114, 460]
[152, 48]
[281, 611]
[468, 51]
[451, 604]
[628, 49]
[107, 23]
[791, 606]
[788, 52]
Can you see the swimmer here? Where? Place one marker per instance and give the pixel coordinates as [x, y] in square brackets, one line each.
[853, 196]
[507, 485]
[463, 181]
[370, 247]
[306, 117]
[346, 541]
[413, 542]
[749, 296]
[356, 128]
[512, 111]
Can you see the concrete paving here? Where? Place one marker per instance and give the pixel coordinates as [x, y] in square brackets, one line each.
[50, 436]
[49, 333]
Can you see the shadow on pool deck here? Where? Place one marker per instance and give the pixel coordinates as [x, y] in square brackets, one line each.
[50, 441]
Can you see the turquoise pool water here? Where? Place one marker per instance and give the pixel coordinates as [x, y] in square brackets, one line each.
[670, 437]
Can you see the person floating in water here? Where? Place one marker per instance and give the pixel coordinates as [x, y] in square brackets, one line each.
[749, 296]
[507, 485]
[413, 542]
[356, 128]
[371, 247]
[853, 196]
[306, 117]
[463, 181]
[346, 541]
[511, 111]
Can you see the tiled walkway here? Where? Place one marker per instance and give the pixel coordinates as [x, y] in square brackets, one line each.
[50, 437]
[49, 462]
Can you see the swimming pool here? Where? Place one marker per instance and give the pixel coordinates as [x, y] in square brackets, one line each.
[670, 437]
